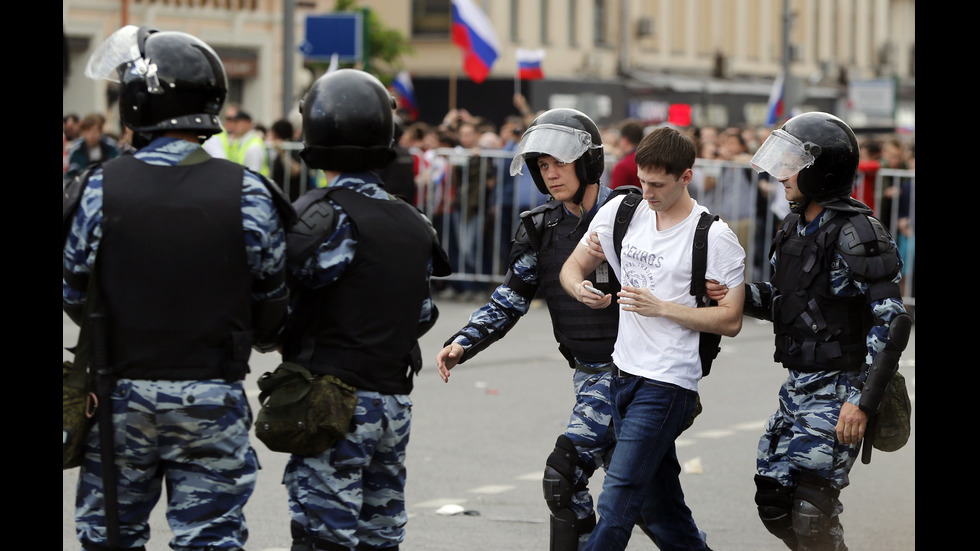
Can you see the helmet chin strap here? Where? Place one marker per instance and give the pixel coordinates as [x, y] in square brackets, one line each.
[579, 197]
[143, 139]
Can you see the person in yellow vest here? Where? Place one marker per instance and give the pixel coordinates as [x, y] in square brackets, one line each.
[219, 145]
[249, 148]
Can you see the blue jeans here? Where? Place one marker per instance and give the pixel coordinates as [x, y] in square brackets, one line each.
[642, 481]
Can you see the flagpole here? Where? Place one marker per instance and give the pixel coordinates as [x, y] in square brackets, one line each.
[452, 71]
[452, 87]
[517, 79]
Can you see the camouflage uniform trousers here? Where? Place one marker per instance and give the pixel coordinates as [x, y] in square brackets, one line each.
[802, 435]
[354, 493]
[192, 434]
[590, 430]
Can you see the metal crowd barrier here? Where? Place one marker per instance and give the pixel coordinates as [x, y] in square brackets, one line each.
[463, 193]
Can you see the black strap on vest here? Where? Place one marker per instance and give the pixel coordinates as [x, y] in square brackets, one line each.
[709, 344]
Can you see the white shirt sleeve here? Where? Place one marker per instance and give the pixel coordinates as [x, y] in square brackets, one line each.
[726, 257]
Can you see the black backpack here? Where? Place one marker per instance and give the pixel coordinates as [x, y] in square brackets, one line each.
[710, 342]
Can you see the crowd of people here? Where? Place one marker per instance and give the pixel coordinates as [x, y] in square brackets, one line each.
[451, 170]
[337, 276]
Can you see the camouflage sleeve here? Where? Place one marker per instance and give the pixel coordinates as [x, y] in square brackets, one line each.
[429, 312]
[758, 300]
[883, 311]
[265, 238]
[82, 242]
[493, 320]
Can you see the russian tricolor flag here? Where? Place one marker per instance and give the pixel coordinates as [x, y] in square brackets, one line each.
[529, 64]
[774, 110]
[406, 93]
[474, 34]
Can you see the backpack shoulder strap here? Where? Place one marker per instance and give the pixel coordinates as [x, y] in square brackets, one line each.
[623, 216]
[699, 266]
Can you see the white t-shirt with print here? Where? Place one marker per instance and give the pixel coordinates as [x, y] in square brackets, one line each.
[652, 347]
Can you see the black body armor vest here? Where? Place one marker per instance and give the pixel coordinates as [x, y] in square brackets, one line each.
[174, 275]
[589, 335]
[815, 330]
[364, 327]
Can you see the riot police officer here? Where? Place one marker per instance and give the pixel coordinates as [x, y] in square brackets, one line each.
[188, 254]
[835, 305]
[562, 150]
[360, 259]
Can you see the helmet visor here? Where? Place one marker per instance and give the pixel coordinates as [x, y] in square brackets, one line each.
[121, 47]
[783, 155]
[561, 142]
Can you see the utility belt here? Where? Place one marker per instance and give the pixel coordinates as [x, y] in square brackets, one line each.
[617, 372]
[811, 356]
[214, 365]
[593, 370]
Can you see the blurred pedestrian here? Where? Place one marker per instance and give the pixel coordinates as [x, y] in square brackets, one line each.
[248, 147]
[92, 147]
[399, 176]
[287, 168]
[624, 172]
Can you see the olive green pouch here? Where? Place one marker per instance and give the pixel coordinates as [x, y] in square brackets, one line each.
[76, 384]
[302, 413]
[893, 425]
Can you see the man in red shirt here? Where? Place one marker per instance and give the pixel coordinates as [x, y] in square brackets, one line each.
[624, 173]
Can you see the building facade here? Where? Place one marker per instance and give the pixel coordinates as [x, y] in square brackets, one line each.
[611, 58]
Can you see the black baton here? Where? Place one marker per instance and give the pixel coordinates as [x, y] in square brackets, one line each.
[104, 383]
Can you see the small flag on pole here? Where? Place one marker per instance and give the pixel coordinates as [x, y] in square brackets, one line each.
[406, 93]
[774, 110]
[475, 36]
[529, 64]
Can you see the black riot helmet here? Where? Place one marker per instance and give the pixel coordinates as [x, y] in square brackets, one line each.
[818, 146]
[567, 135]
[348, 122]
[168, 80]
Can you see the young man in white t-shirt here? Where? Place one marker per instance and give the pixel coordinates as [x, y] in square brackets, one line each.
[656, 352]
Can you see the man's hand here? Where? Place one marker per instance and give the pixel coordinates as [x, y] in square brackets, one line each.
[715, 291]
[640, 301]
[447, 358]
[595, 248]
[591, 298]
[851, 424]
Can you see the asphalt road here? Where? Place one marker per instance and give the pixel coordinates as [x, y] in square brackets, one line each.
[480, 441]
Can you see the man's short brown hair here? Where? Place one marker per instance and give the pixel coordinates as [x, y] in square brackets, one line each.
[668, 150]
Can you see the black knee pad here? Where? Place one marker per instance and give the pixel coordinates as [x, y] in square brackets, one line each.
[566, 529]
[813, 510]
[559, 474]
[324, 545]
[818, 491]
[301, 540]
[775, 503]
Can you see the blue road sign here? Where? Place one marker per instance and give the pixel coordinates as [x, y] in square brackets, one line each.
[334, 33]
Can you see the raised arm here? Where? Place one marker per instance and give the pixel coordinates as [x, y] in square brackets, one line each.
[572, 277]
